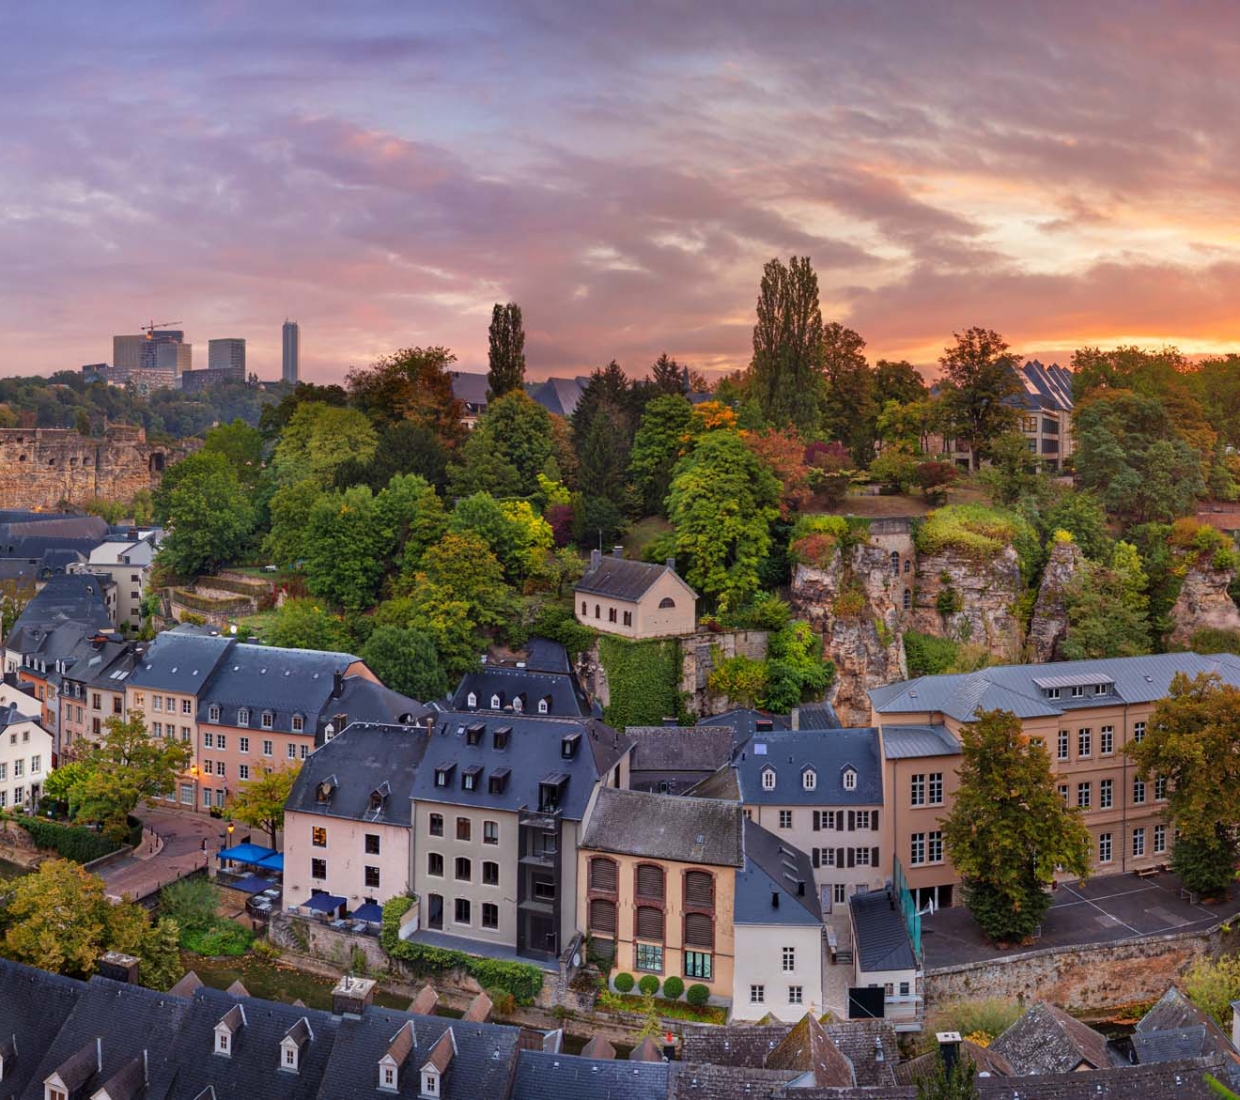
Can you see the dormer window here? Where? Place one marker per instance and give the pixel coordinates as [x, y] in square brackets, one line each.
[768, 779]
[430, 1083]
[443, 775]
[471, 700]
[323, 792]
[1078, 691]
[473, 734]
[518, 704]
[569, 744]
[243, 716]
[213, 713]
[387, 1075]
[496, 702]
[551, 793]
[850, 779]
[1052, 693]
[471, 778]
[293, 1043]
[809, 779]
[1102, 689]
[232, 1021]
[268, 719]
[299, 723]
[499, 781]
[501, 735]
[544, 706]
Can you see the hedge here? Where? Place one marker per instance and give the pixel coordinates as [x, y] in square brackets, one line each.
[255, 588]
[643, 679]
[217, 605]
[523, 981]
[72, 841]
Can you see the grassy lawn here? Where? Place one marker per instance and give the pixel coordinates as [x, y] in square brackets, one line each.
[259, 624]
[641, 534]
[911, 504]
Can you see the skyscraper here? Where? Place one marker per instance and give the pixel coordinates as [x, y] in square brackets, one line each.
[292, 350]
[165, 349]
[127, 354]
[227, 355]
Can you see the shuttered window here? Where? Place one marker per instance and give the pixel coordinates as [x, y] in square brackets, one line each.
[603, 875]
[699, 889]
[649, 923]
[650, 881]
[699, 930]
[603, 916]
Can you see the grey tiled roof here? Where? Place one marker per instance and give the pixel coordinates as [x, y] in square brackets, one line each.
[562, 1077]
[772, 865]
[363, 760]
[558, 395]
[75, 598]
[33, 1006]
[563, 693]
[906, 742]
[1047, 1040]
[829, 752]
[1176, 1028]
[744, 723]
[878, 930]
[984, 1058]
[662, 826]
[1011, 687]
[470, 387]
[679, 748]
[621, 579]
[180, 662]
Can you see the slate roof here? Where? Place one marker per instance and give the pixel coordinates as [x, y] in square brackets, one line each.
[561, 1077]
[483, 1065]
[829, 752]
[807, 1050]
[33, 1006]
[817, 716]
[1175, 1028]
[359, 762]
[679, 748]
[1047, 1040]
[908, 742]
[622, 579]
[563, 692]
[74, 598]
[878, 930]
[558, 395]
[1012, 687]
[533, 753]
[470, 387]
[363, 700]
[544, 655]
[721, 784]
[107, 664]
[661, 826]
[180, 662]
[987, 1061]
[772, 865]
[744, 723]
[1048, 388]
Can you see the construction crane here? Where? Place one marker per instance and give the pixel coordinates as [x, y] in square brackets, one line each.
[150, 329]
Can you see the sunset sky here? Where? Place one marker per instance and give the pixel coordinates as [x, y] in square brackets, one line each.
[383, 172]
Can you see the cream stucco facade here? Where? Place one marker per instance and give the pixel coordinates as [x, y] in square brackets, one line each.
[357, 860]
[778, 971]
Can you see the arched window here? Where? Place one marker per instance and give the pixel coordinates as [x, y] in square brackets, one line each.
[768, 779]
[585, 608]
[598, 614]
[243, 716]
[895, 562]
[809, 779]
[699, 889]
[908, 598]
[518, 704]
[850, 779]
[666, 602]
[650, 881]
[908, 566]
[603, 875]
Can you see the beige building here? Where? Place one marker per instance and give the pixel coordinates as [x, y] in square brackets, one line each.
[657, 877]
[25, 755]
[634, 599]
[1084, 713]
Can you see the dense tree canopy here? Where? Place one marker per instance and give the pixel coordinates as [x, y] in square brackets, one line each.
[208, 512]
[979, 377]
[785, 376]
[506, 355]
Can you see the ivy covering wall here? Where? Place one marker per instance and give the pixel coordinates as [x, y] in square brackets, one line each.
[643, 679]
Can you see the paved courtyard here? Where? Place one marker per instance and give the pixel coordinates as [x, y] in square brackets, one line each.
[180, 852]
[1103, 910]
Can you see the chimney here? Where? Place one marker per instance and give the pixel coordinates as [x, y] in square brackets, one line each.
[352, 995]
[596, 557]
[949, 1050]
[671, 563]
[337, 684]
[617, 551]
[794, 718]
[118, 967]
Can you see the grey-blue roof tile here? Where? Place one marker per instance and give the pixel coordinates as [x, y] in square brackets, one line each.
[829, 752]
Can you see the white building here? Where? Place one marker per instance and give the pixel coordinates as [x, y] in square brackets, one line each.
[25, 756]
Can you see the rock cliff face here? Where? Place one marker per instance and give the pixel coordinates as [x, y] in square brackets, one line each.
[1203, 603]
[698, 661]
[856, 602]
[1049, 625]
[970, 601]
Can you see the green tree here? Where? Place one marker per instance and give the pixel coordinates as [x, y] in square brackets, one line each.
[126, 767]
[1105, 617]
[207, 511]
[657, 446]
[508, 449]
[506, 356]
[1009, 829]
[849, 410]
[1083, 517]
[667, 376]
[288, 540]
[413, 384]
[1212, 984]
[742, 679]
[303, 623]
[958, 1083]
[513, 531]
[898, 381]
[980, 375]
[318, 440]
[412, 515]
[785, 376]
[242, 445]
[347, 548]
[260, 801]
[406, 661]
[160, 956]
[896, 467]
[795, 669]
[722, 502]
[1013, 468]
[1193, 742]
[81, 423]
[403, 448]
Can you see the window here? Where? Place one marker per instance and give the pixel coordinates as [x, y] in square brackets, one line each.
[1062, 753]
[649, 882]
[318, 836]
[208, 740]
[187, 706]
[243, 771]
[850, 779]
[628, 618]
[917, 849]
[757, 994]
[838, 893]
[463, 828]
[490, 873]
[666, 603]
[544, 889]
[603, 875]
[36, 764]
[490, 915]
[1063, 792]
[372, 877]
[291, 751]
[809, 779]
[603, 916]
[157, 730]
[934, 847]
[908, 598]
[785, 819]
[462, 914]
[1138, 732]
[268, 719]
[430, 1084]
[1138, 842]
[221, 1044]
[434, 864]
[436, 825]
[649, 923]
[206, 796]
[490, 832]
[611, 614]
[699, 889]
[648, 956]
[698, 964]
[935, 789]
[243, 716]
[305, 751]
[157, 702]
[1104, 848]
[139, 699]
[213, 712]
[1160, 787]
[299, 723]
[269, 748]
[1106, 737]
[1138, 792]
[371, 844]
[221, 741]
[794, 994]
[1083, 795]
[917, 794]
[768, 779]
[389, 1078]
[1085, 742]
[1078, 691]
[826, 857]
[464, 869]
[861, 819]
[318, 868]
[19, 768]
[1106, 793]
[789, 959]
[1160, 839]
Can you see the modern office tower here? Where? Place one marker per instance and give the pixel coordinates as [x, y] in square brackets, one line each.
[127, 354]
[227, 355]
[164, 349]
[292, 350]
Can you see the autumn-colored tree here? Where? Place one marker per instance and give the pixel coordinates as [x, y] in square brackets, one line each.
[783, 453]
[1009, 829]
[260, 802]
[411, 384]
[1192, 741]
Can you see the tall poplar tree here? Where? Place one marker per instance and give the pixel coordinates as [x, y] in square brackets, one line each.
[506, 371]
[786, 372]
